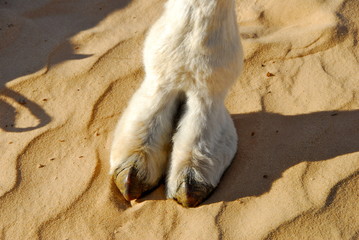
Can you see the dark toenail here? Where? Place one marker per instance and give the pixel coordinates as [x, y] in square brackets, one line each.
[190, 193]
[128, 183]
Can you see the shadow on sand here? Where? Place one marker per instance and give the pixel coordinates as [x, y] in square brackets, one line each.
[270, 143]
[29, 58]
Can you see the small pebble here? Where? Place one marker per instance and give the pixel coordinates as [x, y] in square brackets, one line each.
[270, 74]
[265, 176]
[40, 166]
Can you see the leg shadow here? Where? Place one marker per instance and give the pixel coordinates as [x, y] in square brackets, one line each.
[269, 144]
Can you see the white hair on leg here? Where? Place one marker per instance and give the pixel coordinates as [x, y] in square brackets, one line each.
[193, 48]
[204, 146]
[142, 140]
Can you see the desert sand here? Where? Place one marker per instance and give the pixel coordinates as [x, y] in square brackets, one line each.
[68, 69]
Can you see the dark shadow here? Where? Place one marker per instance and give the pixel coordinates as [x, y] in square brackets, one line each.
[269, 144]
[43, 50]
[8, 112]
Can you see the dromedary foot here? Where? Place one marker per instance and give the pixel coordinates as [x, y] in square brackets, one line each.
[203, 148]
[141, 143]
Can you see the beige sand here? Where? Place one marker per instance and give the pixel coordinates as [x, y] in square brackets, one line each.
[68, 68]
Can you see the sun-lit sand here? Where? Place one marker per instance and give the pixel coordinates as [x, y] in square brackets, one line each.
[68, 69]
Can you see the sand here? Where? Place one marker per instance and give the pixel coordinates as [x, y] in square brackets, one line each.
[68, 69]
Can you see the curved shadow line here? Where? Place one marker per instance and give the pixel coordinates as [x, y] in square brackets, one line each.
[33, 107]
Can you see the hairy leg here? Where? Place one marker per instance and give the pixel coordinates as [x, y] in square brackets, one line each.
[204, 146]
[141, 144]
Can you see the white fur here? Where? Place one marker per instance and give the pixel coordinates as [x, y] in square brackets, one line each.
[194, 48]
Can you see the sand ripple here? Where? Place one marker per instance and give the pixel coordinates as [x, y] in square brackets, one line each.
[68, 69]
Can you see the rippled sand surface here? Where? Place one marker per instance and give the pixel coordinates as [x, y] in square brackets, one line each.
[68, 69]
